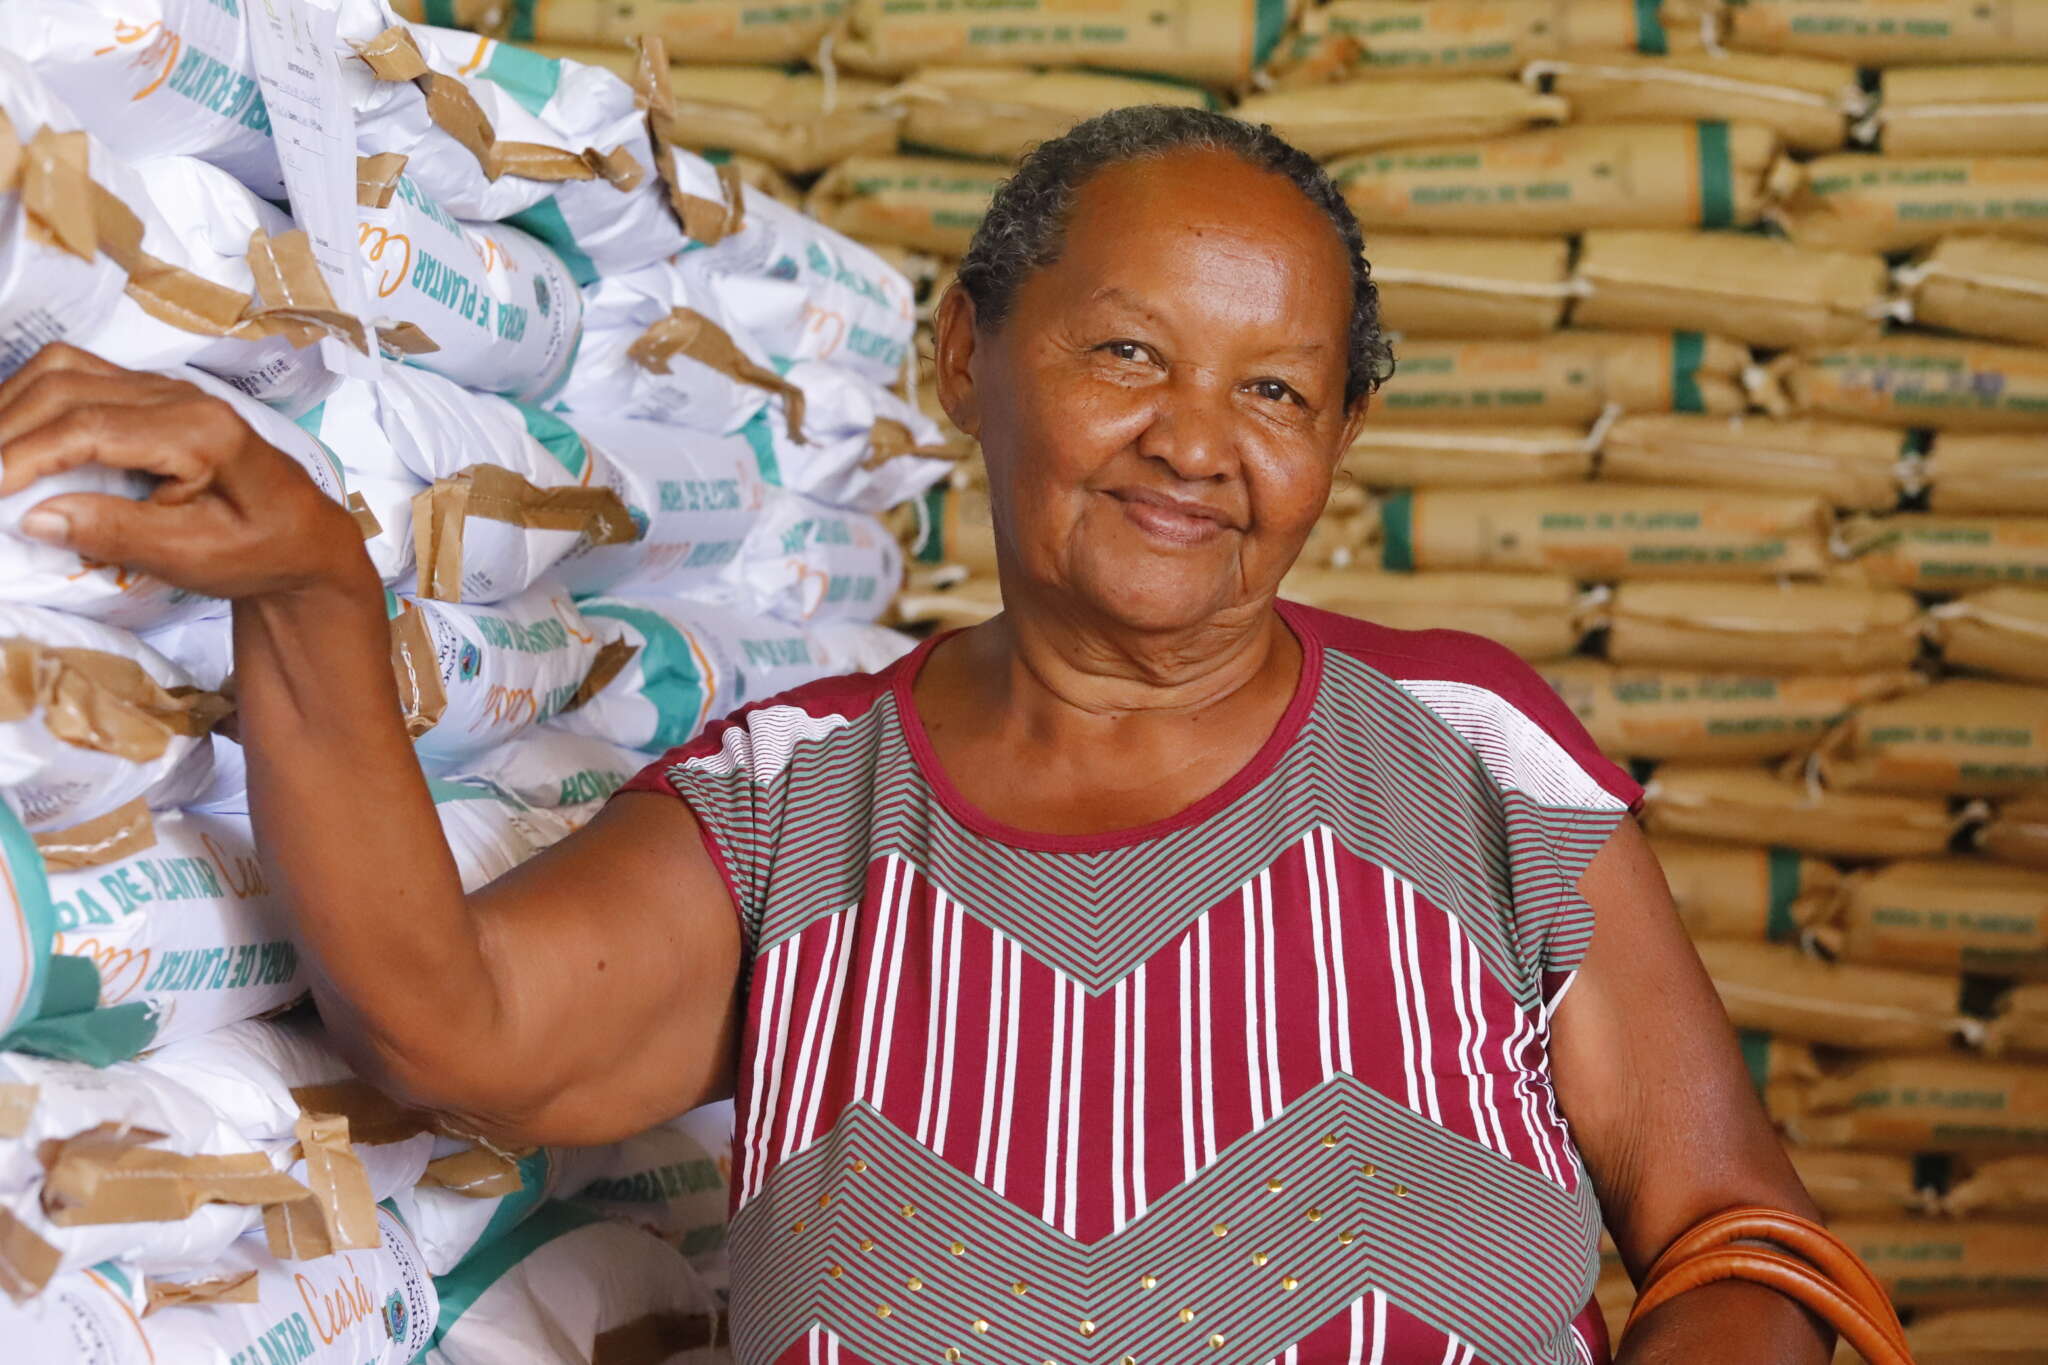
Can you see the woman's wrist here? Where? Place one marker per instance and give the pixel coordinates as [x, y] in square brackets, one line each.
[1730, 1322]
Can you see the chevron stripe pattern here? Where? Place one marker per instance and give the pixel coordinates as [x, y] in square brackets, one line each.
[1267, 1083]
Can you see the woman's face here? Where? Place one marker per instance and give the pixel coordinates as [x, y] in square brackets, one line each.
[1163, 408]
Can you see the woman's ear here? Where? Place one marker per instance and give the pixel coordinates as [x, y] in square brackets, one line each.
[953, 331]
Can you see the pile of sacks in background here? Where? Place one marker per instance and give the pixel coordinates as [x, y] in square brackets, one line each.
[618, 429]
[1722, 394]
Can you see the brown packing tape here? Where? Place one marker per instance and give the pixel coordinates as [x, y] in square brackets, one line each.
[688, 333]
[2012, 1186]
[10, 155]
[702, 220]
[407, 338]
[612, 656]
[493, 493]
[291, 291]
[342, 1214]
[366, 520]
[377, 178]
[889, 438]
[240, 1288]
[394, 56]
[17, 1106]
[26, 1261]
[1858, 1184]
[657, 1337]
[374, 1118]
[111, 837]
[108, 1174]
[101, 701]
[478, 1173]
[420, 694]
[57, 193]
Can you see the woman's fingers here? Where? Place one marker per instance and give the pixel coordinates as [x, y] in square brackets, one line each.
[54, 358]
[166, 541]
[68, 419]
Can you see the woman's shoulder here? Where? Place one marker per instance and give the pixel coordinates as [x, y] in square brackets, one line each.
[1487, 694]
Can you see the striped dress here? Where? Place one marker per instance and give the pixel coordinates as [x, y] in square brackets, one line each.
[1264, 1081]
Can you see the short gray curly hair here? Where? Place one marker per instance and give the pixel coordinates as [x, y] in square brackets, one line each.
[1026, 221]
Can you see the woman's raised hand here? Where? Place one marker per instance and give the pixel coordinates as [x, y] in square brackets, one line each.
[230, 516]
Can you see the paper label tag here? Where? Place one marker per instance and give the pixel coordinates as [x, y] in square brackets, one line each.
[293, 42]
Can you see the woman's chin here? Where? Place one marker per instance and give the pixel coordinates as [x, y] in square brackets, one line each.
[1153, 598]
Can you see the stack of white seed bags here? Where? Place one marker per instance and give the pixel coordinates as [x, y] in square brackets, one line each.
[617, 431]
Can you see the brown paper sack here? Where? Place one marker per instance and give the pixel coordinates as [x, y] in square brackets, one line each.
[1993, 287]
[1603, 531]
[1754, 805]
[2021, 1024]
[1850, 464]
[1858, 1184]
[1923, 381]
[706, 31]
[1936, 553]
[1782, 1069]
[795, 121]
[1767, 628]
[999, 112]
[1937, 1102]
[1978, 1336]
[1535, 615]
[1893, 32]
[100, 701]
[1567, 180]
[1683, 713]
[1216, 42]
[1470, 286]
[1480, 37]
[955, 530]
[1806, 101]
[2003, 1187]
[1859, 202]
[1964, 110]
[1999, 630]
[1388, 456]
[1375, 111]
[1987, 472]
[1745, 891]
[1941, 1263]
[1960, 737]
[927, 203]
[1944, 914]
[1752, 289]
[2017, 832]
[1780, 990]
[1569, 376]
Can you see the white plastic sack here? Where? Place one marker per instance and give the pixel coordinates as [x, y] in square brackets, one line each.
[675, 1182]
[46, 293]
[475, 676]
[189, 927]
[53, 783]
[850, 426]
[858, 312]
[694, 663]
[567, 1277]
[489, 830]
[693, 494]
[857, 646]
[44, 575]
[500, 308]
[612, 375]
[199, 218]
[451, 1225]
[557, 770]
[804, 561]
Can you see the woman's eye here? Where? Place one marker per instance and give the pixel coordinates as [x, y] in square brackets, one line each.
[1273, 390]
[1126, 350]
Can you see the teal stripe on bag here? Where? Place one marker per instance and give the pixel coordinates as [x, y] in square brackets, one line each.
[464, 1285]
[1650, 37]
[1717, 176]
[545, 221]
[1756, 1056]
[21, 866]
[762, 442]
[1688, 353]
[1269, 23]
[558, 436]
[521, 27]
[931, 530]
[440, 13]
[1397, 531]
[670, 677]
[525, 75]
[1784, 881]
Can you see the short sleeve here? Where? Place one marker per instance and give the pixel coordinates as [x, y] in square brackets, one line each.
[712, 780]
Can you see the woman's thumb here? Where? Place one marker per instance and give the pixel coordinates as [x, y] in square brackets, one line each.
[107, 528]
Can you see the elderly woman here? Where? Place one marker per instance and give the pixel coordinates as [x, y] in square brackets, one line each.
[1159, 972]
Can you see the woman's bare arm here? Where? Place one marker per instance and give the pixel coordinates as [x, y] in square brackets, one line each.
[584, 997]
[1652, 1082]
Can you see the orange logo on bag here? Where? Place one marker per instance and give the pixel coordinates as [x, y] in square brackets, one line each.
[122, 970]
[388, 281]
[169, 43]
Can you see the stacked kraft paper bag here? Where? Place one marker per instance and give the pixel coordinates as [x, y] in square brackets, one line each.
[1723, 398]
[618, 428]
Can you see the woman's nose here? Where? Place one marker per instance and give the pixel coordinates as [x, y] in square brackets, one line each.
[1190, 431]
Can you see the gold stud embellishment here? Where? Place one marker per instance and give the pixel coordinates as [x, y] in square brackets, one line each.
[797, 1226]
[1020, 1289]
[835, 1271]
[859, 1167]
[1368, 1170]
[1314, 1215]
[958, 1248]
[953, 1354]
[1221, 1229]
[1400, 1191]
[1148, 1282]
[867, 1244]
[1329, 1141]
[883, 1310]
[1288, 1282]
[908, 1210]
[1274, 1186]
[981, 1326]
[824, 1200]
[1186, 1315]
[1216, 1342]
[1260, 1258]
[1128, 1360]
[1346, 1238]
[913, 1284]
[1087, 1327]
